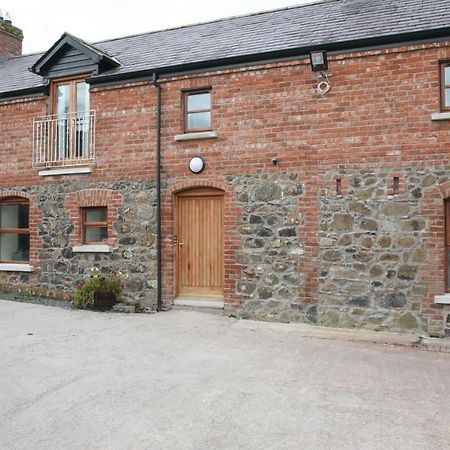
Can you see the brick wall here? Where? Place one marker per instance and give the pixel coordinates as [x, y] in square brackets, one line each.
[10, 39]
[376, 116]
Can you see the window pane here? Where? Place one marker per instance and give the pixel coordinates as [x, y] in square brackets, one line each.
[14, 216]
[447, 76]
[447, 97]
[62, 135]
[82, 121]
[199, 120]
[96, 234]
[14, 247]
[96, 215]
[62, 99]
[82, 97]
[199, 101]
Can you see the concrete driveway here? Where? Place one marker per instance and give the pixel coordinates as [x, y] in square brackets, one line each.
[187, 380]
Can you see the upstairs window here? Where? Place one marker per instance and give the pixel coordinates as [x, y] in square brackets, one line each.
[70, 98]
[445, 86]
[14, 230]
[197, 110]
[95, 225]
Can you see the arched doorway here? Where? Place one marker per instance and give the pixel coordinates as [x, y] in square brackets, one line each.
[199, 244]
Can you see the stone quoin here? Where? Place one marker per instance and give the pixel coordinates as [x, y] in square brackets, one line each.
[327, 208]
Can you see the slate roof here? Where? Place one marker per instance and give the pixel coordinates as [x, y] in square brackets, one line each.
[273, 33]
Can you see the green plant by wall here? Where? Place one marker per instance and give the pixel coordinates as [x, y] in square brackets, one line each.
[97, 284]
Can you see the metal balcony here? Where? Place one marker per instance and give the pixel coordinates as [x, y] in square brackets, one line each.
[64, 139]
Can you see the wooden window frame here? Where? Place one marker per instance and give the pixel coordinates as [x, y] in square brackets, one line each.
[85, 224]
[442, 85]
[72, 82]
[16, 201]
[186, 112]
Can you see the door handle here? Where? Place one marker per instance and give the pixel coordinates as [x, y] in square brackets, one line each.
[180, 244]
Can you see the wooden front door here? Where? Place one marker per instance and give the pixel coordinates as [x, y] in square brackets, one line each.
[199, 242]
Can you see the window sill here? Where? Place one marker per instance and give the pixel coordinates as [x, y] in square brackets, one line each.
[440, 116]
[442, 299]
[196, 135]
[11, 267]
[100, 248]
[54, 171]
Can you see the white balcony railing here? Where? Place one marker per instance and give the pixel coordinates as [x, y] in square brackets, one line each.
[64, 139]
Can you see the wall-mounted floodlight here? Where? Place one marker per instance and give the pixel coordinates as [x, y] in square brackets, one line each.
[319, 62]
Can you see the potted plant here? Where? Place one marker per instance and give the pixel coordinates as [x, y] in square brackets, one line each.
[99, 291]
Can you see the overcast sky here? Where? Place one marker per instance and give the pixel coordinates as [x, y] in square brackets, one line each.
[43, 21]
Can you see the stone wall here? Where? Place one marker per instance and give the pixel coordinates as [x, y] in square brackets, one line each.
[135, 254]
[271, 250]
[372, 246]
[372, 251]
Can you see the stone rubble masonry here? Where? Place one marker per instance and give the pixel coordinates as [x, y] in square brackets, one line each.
[132, 224]
[270, 251]
[374, 254]
[366, 257]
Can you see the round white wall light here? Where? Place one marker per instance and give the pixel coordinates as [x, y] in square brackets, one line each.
[196, 164]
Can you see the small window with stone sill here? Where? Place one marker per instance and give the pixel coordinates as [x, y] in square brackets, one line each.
[198, 110]
[94, 225]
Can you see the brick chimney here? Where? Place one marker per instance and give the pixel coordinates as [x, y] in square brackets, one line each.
[10, 37]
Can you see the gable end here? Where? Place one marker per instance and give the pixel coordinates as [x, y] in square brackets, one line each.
[71, 56]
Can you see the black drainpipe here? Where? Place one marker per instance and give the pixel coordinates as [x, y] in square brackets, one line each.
[158, 194]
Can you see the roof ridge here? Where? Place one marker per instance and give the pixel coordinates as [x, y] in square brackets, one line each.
[222, 19]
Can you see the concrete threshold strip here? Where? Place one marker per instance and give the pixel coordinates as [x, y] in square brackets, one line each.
[375, 337]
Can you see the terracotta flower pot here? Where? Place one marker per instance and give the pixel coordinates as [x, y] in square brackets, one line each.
[104, 301]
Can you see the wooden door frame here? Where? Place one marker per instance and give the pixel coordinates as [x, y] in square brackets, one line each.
[204, 192]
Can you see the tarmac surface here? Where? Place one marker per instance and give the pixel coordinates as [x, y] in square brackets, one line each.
[189, 380]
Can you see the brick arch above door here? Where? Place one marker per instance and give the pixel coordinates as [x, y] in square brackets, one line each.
[191, 184]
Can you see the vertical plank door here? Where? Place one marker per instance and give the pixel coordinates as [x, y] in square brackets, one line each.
[200, 244]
